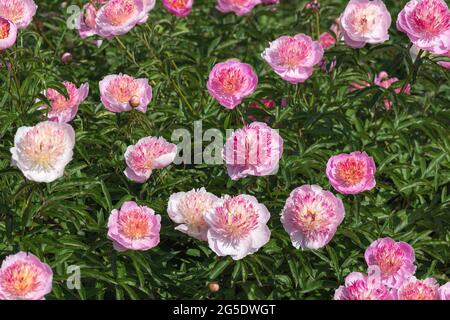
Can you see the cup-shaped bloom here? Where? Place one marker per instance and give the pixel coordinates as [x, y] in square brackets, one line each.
[365, 21]
[8, 33]
[444, 291]
[179, 8]
[239, 7]
[311, 216]
[147, 154]
[231, 81]
[134, 227]
[188, 210]
[395, 261]
[293, 58]
[118, 93]
[427, 24]
[351, 173]
[414, 289]
[24, 277]
[43, 151]
[359, 286]
[237, 226]
[62, 109]
[254, 150]
[20, 12]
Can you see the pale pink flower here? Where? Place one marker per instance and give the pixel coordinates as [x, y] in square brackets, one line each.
[444, 291]
[179, 8]
[146, 155]
[20, 12]
[351, 173]
[62, 109]
[117, 92]
[427, 24]
[231, 81]
[237, 226]
[24, 277]
[188, 210]
[293, 58]
[8, 34]
[134, 227]
[395, 260]
[254, 150]
[414, 289]
[383, 80]
[365, 21]
[239, 7]
[43, 151]
[311, 216]
[326, 40]
[359, 286]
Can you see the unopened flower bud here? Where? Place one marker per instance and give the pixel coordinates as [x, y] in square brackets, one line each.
[135, 101]
[214, 286]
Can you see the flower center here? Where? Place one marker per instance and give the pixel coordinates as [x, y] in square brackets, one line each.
[178, 4]
[59, 102]
[4, 28]
[118, 12]
[419, 291]
[231, 80]
[291, 52]
[134, 225]
[237, 218]
[350, 171]
[20, 279]
[364, 19]
[389, 260]
[193, 208]
[123, 89]
[13, 10]
[432, 16]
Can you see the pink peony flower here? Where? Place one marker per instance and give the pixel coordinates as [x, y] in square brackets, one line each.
[311, 216]
[43, 151]
[231, 81]
[361, 287]
[24, 277]
[237, 226]
[327, 40]
[427, 24]
[146, 155]
[117, 92]
[395, 261]
[62, 109]
[444, 291]
[8, 34]
[86, 23]
[253, 151]
[188, 210]
[414, 289]
[239, 7]
[20, 12]
[293, 58]
[351, 173]
[180, 8]
[365, 21]
[134, 227]
[383, 80]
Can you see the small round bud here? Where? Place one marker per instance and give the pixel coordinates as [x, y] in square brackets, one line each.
[66, 58]
[214, 286]
[135, 101]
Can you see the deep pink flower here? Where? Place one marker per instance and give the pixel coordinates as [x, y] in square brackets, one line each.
[383, 80]
[359, 286]
[24, 277]
[8, 34]
[237, 226]
[20, 12]
[254, 150]
[293, 58]
[62, 109]
[117, 92]
[231, 81]
[239, 7]
[134, 227]
[427, 24]
[444, 291]
[146, 155]
[395, 261]
[311, 216]
[188, 210]
[180, 8]
[365, 21]
[351, 173]
[326, 40]
[414, 289]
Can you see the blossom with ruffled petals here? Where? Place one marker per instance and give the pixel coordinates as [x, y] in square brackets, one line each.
[239, 7]
[254, 150]
[351, 173]
[146, 155]
[8, 34]
[134, 227]
[86, 22]
[359, 286]
[24, 277]
[179, 8]
[365, 21]
[20, 12]
[415, 289]
[118, 91]
[311, 216]
[237, 226]
[427, 24]
[188, 210]
[293, 58]
[43, 151]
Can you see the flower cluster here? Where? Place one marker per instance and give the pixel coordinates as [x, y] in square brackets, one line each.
[14, 15]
